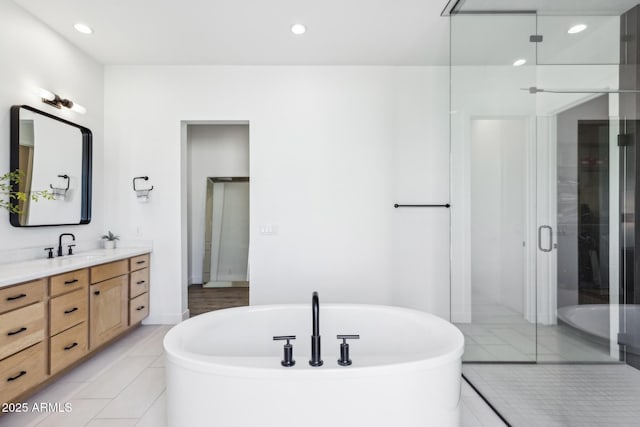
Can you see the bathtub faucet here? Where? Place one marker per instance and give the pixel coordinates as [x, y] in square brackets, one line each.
[315, 338]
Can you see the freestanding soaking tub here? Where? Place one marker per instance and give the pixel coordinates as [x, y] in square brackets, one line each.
[224, 369]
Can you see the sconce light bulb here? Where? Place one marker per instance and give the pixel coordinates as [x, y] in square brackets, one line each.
[78, 108]
[45, 94]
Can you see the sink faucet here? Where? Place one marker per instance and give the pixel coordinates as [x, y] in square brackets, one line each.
[315, 338]
[60, 241]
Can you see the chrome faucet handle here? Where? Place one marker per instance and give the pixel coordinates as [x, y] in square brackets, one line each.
[344, 349]
[287, 359]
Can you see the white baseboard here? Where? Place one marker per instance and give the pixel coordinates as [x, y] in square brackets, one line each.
[460, 317]
[165, 319]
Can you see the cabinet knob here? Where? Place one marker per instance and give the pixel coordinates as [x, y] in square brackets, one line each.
[96, 292]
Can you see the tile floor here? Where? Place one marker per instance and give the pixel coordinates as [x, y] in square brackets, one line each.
[124, 385]
[498, 333]
[561, 394]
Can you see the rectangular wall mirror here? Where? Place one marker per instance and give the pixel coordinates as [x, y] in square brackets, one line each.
[53, 154]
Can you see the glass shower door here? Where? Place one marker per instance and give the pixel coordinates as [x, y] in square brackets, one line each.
[578, 189]
[493, 130]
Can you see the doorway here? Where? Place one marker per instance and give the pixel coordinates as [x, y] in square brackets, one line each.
[218, 211]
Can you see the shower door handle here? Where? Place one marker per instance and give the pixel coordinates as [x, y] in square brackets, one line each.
[550, 248]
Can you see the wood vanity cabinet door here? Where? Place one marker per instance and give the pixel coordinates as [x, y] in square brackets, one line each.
[108, 309]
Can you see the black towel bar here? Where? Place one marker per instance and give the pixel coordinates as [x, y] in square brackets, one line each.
[422, 206]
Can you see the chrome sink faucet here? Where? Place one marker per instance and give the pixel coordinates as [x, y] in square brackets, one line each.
[60, 241]
[316, 359]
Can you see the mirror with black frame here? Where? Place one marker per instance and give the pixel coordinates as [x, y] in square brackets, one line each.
[55, 155]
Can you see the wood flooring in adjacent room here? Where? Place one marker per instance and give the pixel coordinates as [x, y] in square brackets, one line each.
[203, 300]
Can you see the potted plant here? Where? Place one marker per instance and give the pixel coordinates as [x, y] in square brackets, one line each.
[110, 240]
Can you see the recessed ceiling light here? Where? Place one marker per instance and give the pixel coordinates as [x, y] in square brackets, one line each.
[298, 29]
[519, 62]
[577, 29]
[83, 28]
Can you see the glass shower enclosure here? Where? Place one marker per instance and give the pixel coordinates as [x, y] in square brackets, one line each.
[544, 102]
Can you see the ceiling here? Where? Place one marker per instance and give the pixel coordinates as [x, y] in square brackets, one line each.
[252, 32]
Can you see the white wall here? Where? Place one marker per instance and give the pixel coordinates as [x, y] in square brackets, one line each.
[213, 150]
[497, 211]
[35, 56]
[420, 273]
[340, 140]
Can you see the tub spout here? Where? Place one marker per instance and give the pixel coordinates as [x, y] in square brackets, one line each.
[316, 359]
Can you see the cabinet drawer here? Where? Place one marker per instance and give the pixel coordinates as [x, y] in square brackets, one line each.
[21, 328]
[68, 310]
[68, 282]
[22, 295]
[138, 282]
[138, 308]
[68, 346]
[108, 271]
[138, 262]
[22, 371]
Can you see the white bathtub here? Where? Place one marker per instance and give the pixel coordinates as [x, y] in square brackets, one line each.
[223, 369]
[590, 318]
[594, 319]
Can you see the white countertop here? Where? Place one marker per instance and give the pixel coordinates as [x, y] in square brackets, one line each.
[23, 271]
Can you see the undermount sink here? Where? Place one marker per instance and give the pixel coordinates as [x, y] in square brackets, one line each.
[80, 257]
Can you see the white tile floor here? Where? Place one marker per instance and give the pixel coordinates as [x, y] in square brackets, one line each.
[562, 394]
[124, 385]
[499, 333]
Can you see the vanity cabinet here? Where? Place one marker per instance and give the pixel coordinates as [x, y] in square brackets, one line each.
[22, 338]
[138, 289]
[108, 307]
[68, 317]
[49, 324]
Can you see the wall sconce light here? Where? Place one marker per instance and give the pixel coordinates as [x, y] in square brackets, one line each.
[60, 193]
[58, 102]
[142, 193]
